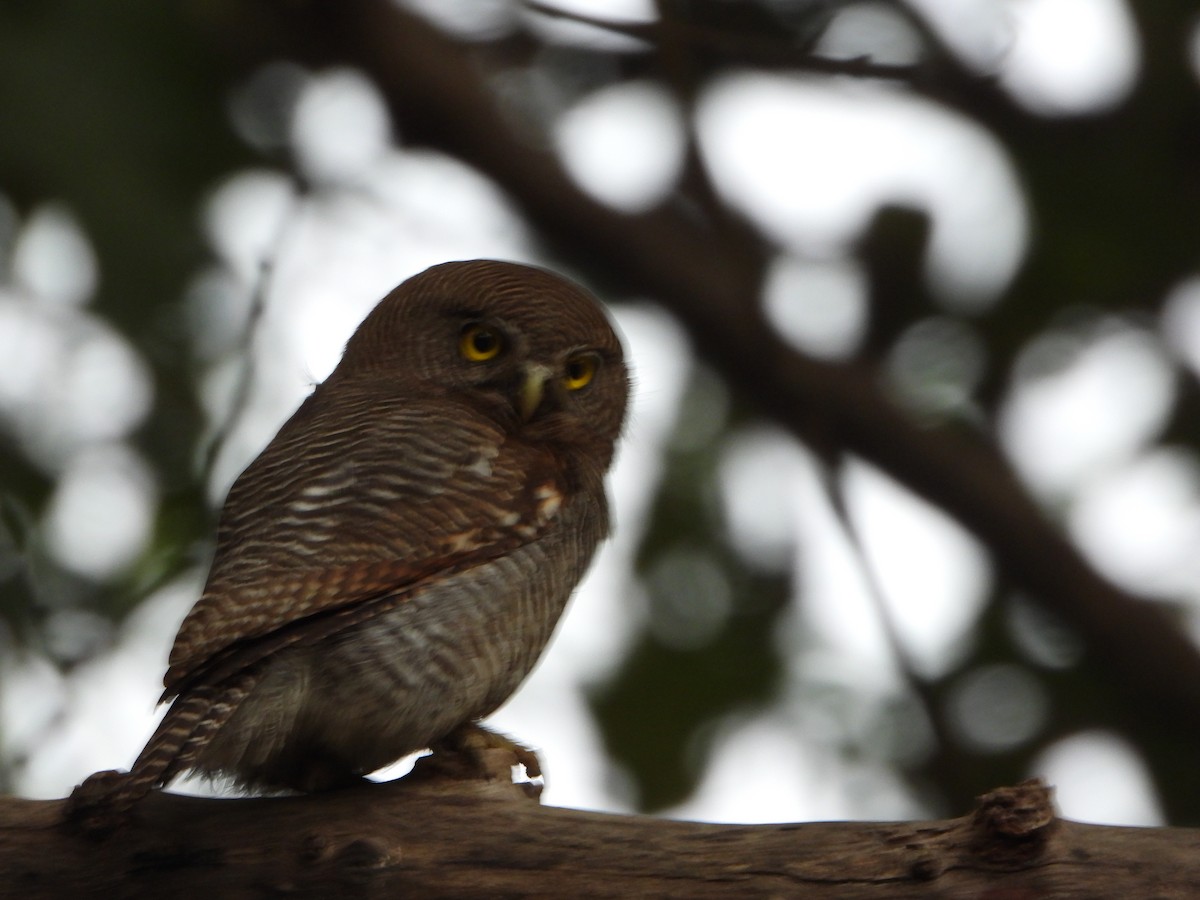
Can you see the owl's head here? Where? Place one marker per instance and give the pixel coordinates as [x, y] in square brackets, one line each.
[522, 344]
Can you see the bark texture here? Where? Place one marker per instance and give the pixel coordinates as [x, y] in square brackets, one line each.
[440, 837]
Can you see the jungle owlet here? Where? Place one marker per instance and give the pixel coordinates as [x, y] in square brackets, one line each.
[391, 566]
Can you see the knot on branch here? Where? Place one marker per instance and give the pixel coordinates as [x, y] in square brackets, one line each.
[1012, 826]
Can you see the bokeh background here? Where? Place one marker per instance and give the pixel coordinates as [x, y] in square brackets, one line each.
[909, 503]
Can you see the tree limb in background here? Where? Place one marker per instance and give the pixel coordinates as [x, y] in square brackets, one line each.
[767, 48]
[439, 90]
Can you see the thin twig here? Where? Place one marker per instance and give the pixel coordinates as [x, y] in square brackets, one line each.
[832, 479]
[733, 46]
[267, 271]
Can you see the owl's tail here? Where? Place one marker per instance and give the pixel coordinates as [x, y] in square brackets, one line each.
[105, 799]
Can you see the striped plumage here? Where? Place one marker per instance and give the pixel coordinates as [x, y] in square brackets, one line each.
[393, 563]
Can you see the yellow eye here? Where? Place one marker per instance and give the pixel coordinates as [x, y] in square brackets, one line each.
[478, 343]
[580, 372]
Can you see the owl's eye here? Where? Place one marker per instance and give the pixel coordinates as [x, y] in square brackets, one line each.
[478, 343]
[580, 371]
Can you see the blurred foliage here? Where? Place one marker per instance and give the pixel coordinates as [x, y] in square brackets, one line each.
[706, 657]
[120, 111]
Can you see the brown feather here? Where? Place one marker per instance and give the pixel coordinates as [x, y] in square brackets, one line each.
[259, 583]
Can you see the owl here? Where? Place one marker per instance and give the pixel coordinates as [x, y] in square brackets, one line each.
[392, 565]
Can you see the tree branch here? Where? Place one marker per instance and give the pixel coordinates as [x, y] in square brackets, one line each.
[434, 837]
[736, 47]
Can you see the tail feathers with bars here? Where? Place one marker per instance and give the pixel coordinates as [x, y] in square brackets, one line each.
[105, 799]
[211, 694]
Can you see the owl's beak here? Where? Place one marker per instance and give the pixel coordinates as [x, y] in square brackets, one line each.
[533, 389]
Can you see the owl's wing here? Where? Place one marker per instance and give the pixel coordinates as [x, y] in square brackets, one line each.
[349, 505]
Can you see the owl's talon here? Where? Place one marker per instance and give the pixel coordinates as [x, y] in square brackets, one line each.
[96, 807]
[528, 759]
[475, 752]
